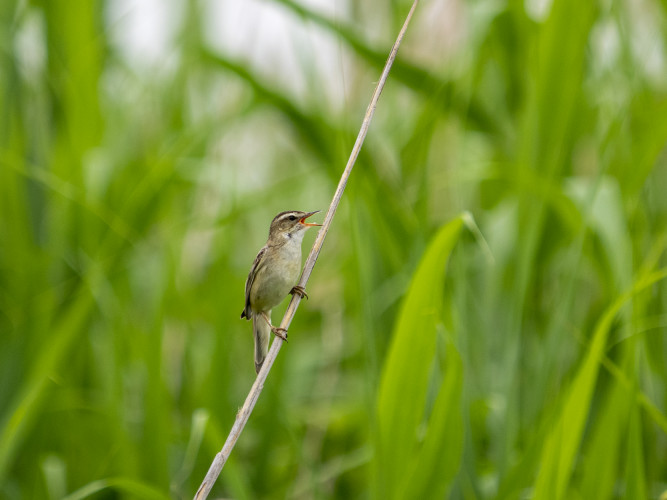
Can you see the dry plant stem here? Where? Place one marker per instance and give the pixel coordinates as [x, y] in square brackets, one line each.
[244, 413]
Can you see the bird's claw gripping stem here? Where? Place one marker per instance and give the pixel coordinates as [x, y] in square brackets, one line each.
[281, 333]
[299, 290]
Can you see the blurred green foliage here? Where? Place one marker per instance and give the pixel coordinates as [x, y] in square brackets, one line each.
[134, 196]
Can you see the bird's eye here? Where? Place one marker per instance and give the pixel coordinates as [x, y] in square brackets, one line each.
[291, 217]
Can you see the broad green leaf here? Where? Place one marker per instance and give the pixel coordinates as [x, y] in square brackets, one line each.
[430, 473]
[405, 378]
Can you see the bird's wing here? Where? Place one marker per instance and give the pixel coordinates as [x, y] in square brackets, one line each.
[256, 266]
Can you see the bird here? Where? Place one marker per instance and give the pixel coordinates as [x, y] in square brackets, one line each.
[273, 276]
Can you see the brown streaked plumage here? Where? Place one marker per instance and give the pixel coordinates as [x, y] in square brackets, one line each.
[273, 275]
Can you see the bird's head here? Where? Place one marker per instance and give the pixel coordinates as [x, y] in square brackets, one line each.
[290, 224]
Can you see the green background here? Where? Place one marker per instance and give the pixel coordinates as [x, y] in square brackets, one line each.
[487, 318]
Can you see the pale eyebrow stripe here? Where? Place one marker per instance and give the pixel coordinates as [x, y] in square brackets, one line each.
[286, 215]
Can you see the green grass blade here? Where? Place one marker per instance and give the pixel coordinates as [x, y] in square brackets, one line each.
[635, 467]
[132, 488]
[563, 442]
[600, 470]
[28, 406]
[405, 378]
[313, 129]
[440, 92]
[438, 461]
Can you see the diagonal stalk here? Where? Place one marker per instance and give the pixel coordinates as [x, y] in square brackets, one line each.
[243, 414]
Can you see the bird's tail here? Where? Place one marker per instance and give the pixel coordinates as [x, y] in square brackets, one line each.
[262, 332]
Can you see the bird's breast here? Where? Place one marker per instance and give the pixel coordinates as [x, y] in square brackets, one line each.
[277, 277]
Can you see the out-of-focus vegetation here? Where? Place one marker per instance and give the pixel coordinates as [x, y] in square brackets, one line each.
[135, 192]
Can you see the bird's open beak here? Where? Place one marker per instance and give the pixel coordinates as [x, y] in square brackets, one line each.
[303, 219]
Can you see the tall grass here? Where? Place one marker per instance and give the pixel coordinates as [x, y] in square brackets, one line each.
[134, 193]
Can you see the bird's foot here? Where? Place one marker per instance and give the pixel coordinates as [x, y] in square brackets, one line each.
[281, 333]
[299, 290]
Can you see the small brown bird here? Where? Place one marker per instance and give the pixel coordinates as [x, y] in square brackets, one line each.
[273, 275]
